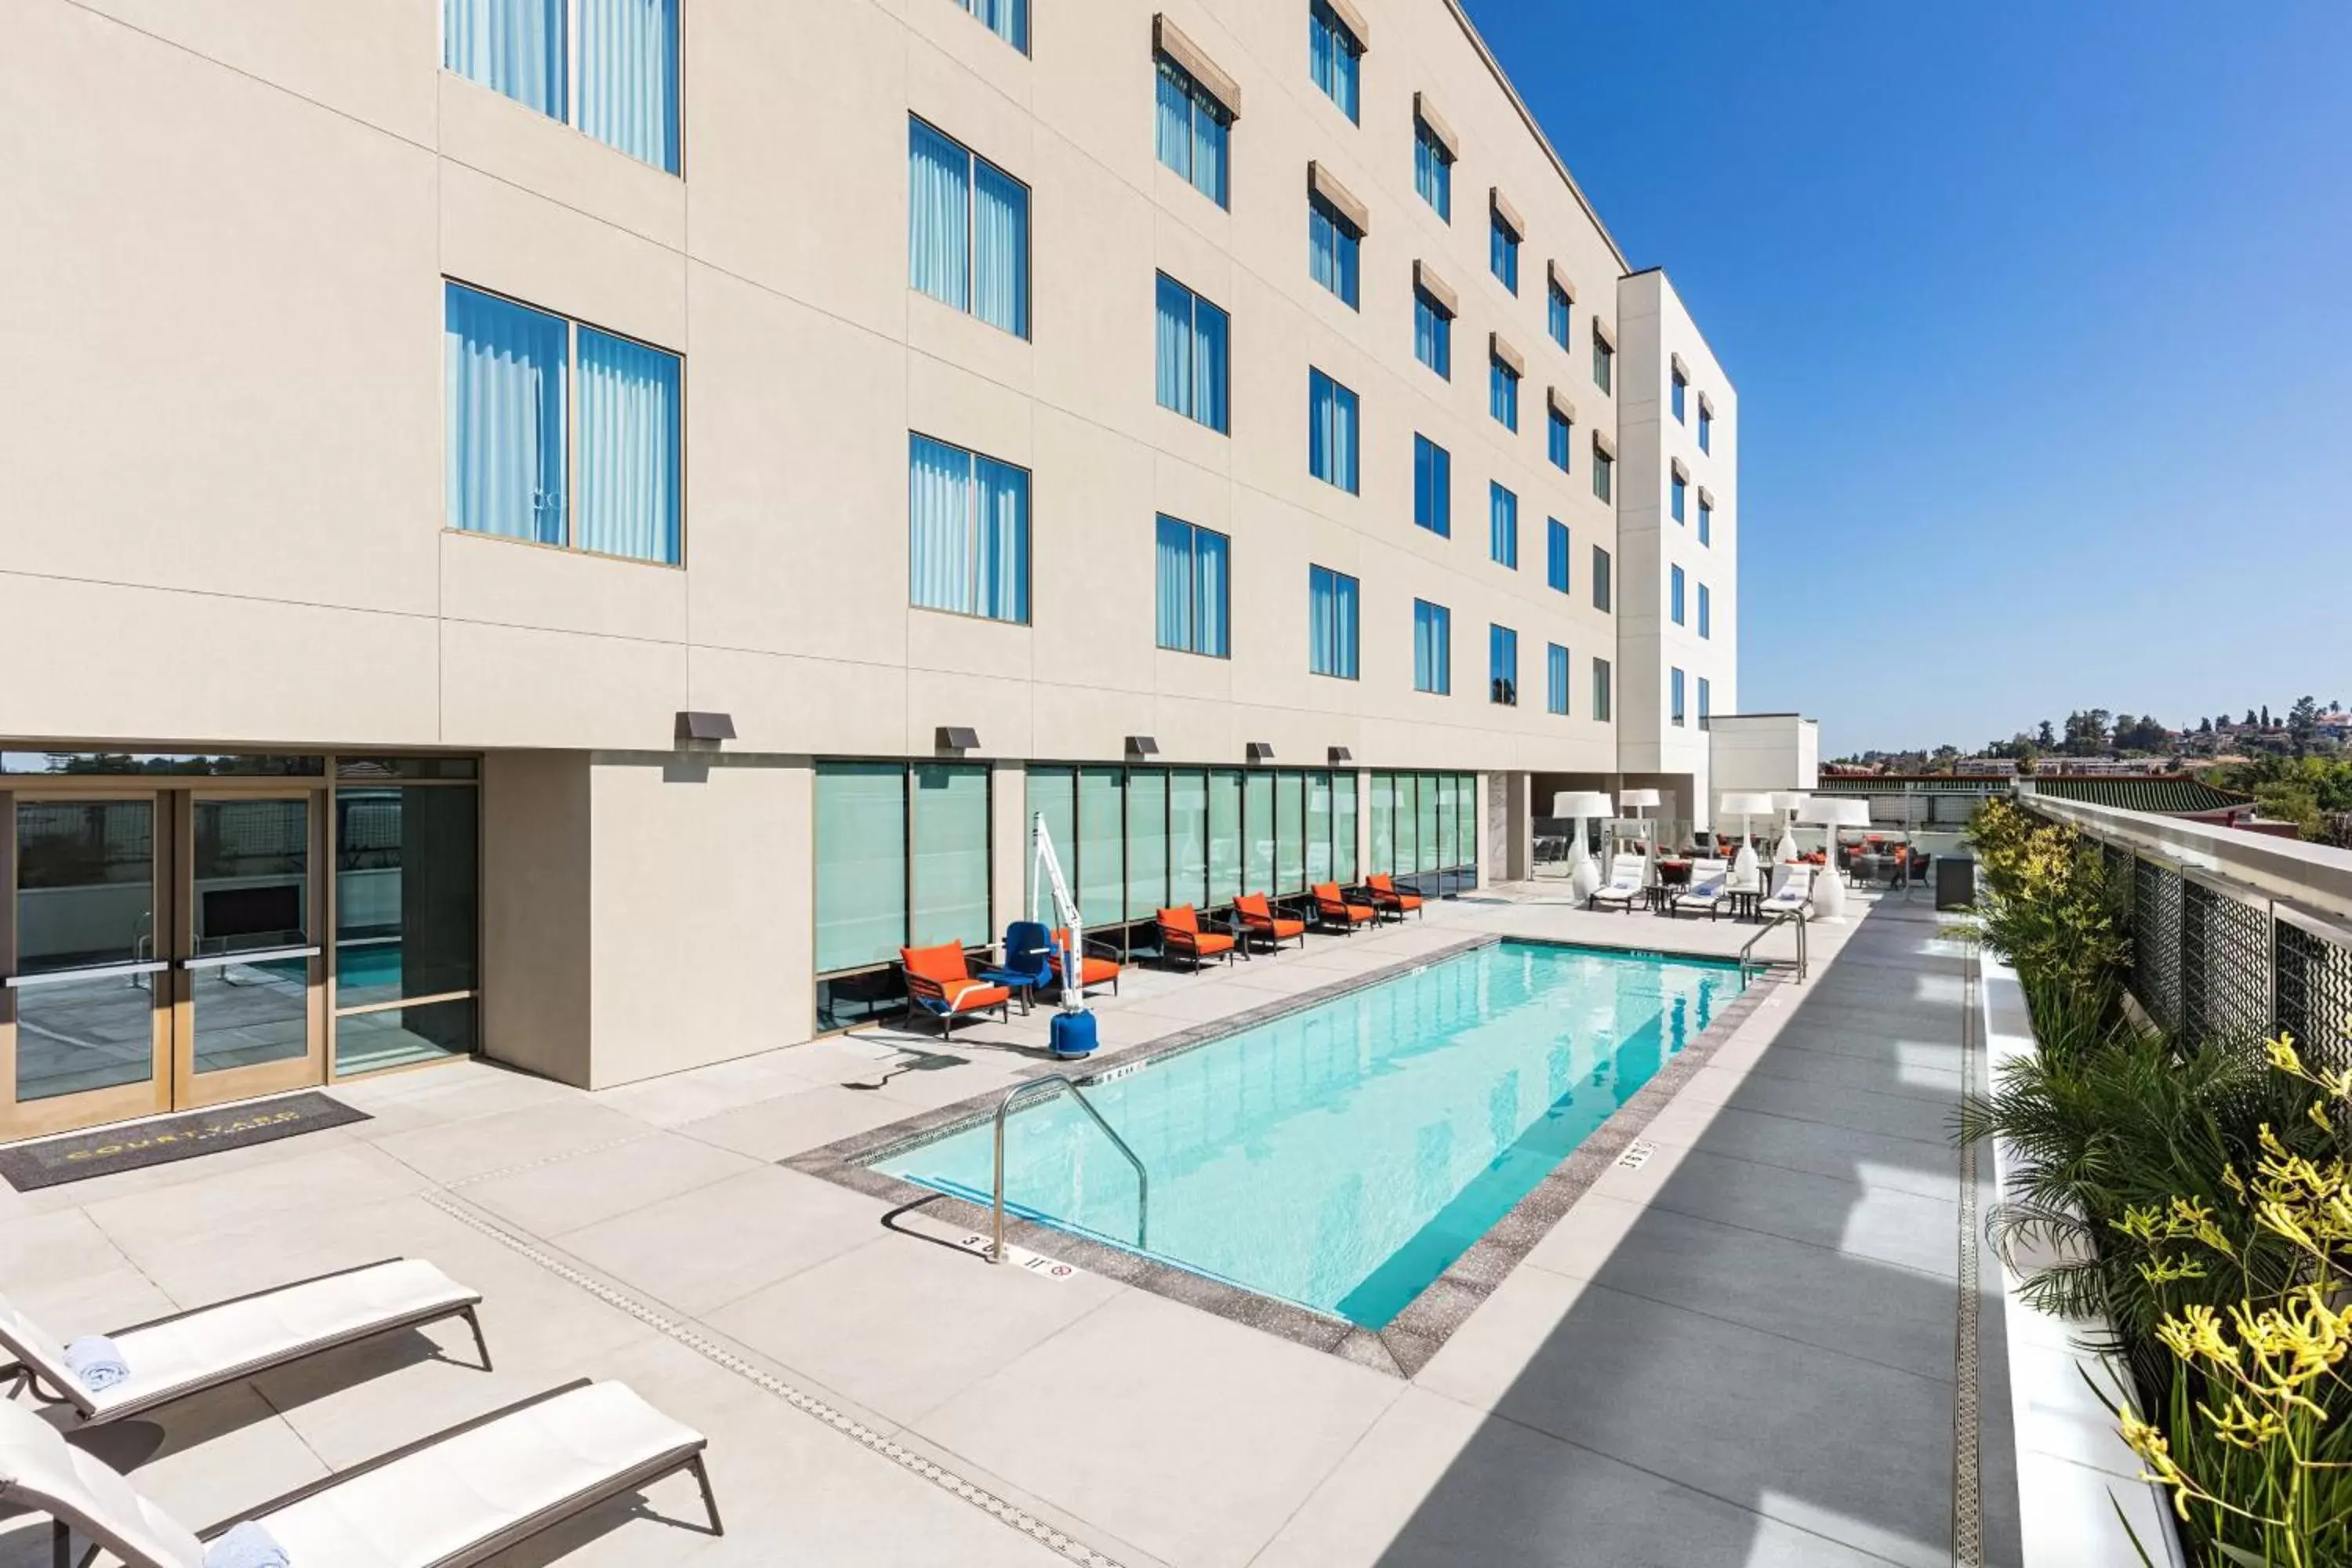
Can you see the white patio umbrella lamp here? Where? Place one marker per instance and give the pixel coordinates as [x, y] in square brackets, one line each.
[1638, 801]
[1828, 893]
[1787, 803]
[1744, 805]
[1584, 880]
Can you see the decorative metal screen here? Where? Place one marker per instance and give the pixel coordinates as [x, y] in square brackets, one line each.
[2121, 863]
[2314, 995]
[2156, 941]
[2225, 983]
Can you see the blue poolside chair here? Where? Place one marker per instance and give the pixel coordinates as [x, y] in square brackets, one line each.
[1028, 961]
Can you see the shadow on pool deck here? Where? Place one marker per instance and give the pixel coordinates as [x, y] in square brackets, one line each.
[1744, 1353]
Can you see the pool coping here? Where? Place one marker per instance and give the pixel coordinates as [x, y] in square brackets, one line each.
[1429, 1318]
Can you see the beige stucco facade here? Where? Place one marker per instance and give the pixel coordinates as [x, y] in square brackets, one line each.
[224, 429]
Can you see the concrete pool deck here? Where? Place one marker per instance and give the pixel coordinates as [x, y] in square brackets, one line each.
[1743, 1352]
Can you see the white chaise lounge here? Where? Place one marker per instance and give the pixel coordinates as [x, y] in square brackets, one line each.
[188, 1353]
[458, 1497]
[1627, 873]
[1793, 889]
[1708, 878]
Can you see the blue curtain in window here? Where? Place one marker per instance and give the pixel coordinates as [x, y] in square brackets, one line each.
[1175, 120]
[942, 575]
[1556, 679]
[1211, 330]
[1433, 486]
[1008, 19]
[1332, 57]
[505, 367]
[1561, 307]
[939, 216]
[1002, 516]
[999, 245]
[1432, 335]
[1176, 585]
[1705, 613]
[1680, 492]
[1503, 665]
[1212, 560]
[1560, 436]
[1430, 653]
[1175, 340]
[1705, 523]
[1676, 594]
[1331, 622]
[1343, 607]
[1209, 161]
[628, 76]
[1432, 175]
[1331, 432]
[1503, 394]
[1556, 555]
[515, 47]
[628, 448]
[1503, 526]
[1333, 250]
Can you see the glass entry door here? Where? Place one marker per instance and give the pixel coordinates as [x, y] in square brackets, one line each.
[250, 1007]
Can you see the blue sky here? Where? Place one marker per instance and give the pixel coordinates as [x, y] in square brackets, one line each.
[2040, 315]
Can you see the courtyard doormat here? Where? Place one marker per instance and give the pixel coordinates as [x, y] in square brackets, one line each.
[81, 1155]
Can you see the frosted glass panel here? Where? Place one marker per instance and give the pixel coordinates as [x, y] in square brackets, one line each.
[951, 856]
[1258, 828]
[1102, 834]
[861, 863]
[1319, 828]
[1225, 836]
[1289, 832]
[1343, 826]
[1187, 838]
[1147, 842]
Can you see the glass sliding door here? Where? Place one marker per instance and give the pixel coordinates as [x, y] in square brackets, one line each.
[950, 899]
[1225, 840]
[1102, 847]
[249, 995]
[1187, 838]
[1147, 843]
[407, 860]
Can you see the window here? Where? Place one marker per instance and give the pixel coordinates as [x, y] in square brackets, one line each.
[1432, 487]
[1331, 598]
[967, 532]
[968, 229]
[1680, 496]
[1604, 359]
[1502, 667]
[1008, 19]
[1705, 612]
[1706, 700]
[1432, 333]
[1433, 652]
[1562, 307]
[1601, 690]
[1502, 527]
[1195, 589]
[1433, 170]
[1503, 393]
[902, 858]
[1556, 555]
[1681, 390]
[1334, 249]
[1503, 251]
[1331, 417]
[1706, 521]
[620, 84]
[519, 427]
[1600, 579]
[1556, 680]
[1194, 362]
[1603, 466]
[1705, 427]
[1194, 131]
[1556, 436]
[1674, 595]
[1675, 697]
[1334, 56]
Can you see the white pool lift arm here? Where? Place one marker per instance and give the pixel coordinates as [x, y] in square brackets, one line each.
[1045, 874]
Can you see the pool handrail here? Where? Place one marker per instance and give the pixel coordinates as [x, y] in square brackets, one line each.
[1142, 1177]
[1748, 967]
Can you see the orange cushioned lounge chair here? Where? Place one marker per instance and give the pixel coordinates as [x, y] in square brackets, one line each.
[1334, 910]
[1180, 936]
[939, 985]
[1256, 917]
[1388, 901]
[1096, 967]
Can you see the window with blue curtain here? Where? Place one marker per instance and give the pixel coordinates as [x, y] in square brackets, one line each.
[1675, 593]
[1194, 131]
[1674, 696]
[1503, 393]
[1600, 589]
[1681, 388]
[1433, 170]
[1602, 689]
[1678, 500]
[1562, 308]
[1556, 555]
[1503, 251]
[1705, 612]
[1432, 487]
[1433, 650]
[1503, 666]
[1008, 19]
[1331, 432]
[1706, 700]
[1195, 589]
[1603, 471]
[967, 533]
[513, 434]
[1331, 622]
[1433, 334]
[1556, 680]
[1502, 526]
[968, 230]
[620, 85]
[1706, 521]
[1195, 364]
[1705, 427]
[1334, 56]
[1560, 431]
[1334, 249]
[1603, 360]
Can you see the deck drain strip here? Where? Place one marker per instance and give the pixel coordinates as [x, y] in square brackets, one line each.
[1968, 1524]
[1006, 1513]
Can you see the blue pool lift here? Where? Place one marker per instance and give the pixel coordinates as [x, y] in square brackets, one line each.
[1071, 1034]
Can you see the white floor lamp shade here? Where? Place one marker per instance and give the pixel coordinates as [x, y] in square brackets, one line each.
[1638, 801]
[1828, 891]
[1584, 880]
[1745, 805]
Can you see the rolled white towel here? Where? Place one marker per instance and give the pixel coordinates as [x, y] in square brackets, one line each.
[246, 1546]
[98, 1361]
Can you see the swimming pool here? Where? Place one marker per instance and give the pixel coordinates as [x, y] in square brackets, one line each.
[1341, 1157]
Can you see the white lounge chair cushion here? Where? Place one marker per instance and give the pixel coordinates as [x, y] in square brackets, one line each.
[433, 1503]
[37, 1348]
[40, 1471]
[216, 1342]
[1704, 893]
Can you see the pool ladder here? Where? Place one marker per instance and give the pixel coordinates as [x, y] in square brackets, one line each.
[1064, 1080]
[1748, 966]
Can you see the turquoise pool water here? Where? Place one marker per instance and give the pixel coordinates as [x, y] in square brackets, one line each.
[1342, 1157]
